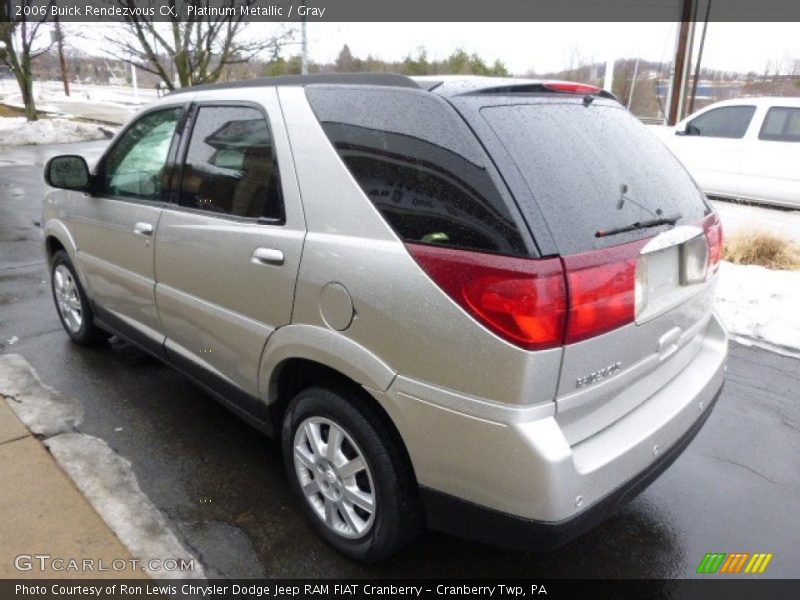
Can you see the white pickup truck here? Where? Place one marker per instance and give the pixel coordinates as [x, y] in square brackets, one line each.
[748, 148]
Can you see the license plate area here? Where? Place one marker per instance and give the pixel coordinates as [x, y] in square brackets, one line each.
[671, 269]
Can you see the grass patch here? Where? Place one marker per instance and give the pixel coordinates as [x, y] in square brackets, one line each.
[10, 111]
[758, 247]
[13, 111]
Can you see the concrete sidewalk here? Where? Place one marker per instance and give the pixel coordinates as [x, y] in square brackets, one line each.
[43, 514]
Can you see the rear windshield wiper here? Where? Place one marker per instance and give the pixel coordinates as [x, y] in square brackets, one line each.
[668, 220]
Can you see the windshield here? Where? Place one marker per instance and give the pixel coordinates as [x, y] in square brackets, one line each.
[593, 168]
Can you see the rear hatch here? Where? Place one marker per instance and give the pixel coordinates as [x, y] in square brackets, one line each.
[638, 242]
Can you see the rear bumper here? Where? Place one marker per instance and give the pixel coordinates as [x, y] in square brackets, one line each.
[495, 473]
[465, 519]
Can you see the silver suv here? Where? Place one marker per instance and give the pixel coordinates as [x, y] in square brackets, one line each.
[480, 305]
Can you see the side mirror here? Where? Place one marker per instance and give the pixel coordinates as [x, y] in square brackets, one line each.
[680, 129]
[69, 172]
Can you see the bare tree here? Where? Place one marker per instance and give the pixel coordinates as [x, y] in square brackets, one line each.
[194, 47]
[19, 47]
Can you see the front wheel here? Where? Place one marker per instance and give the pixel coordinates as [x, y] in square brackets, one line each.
[72, 304]
[346, 470]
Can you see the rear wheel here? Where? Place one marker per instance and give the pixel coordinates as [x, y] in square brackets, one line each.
[347, 472]
[72, 304]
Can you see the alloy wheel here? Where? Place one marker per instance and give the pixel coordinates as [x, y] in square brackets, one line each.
[335, 477]
[68, 299]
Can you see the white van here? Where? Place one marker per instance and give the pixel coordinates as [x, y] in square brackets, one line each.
[748, 148]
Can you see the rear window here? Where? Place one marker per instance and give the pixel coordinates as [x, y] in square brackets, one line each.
[592, 168]
[421, 166]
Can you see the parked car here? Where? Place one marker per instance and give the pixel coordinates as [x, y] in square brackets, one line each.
[481, 305]
[748, 148]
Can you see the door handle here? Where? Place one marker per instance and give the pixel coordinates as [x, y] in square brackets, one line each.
[142, 228]
[267, 256]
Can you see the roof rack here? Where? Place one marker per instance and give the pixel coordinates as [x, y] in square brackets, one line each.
[380, 79]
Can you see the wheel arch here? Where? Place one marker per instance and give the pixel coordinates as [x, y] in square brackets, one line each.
[301, 356]
[294, 375]
[324, 347]
[57, 236]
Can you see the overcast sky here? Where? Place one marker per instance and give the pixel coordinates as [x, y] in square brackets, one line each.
[541, 47]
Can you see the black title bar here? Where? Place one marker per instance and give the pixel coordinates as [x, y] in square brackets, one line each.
[394, 10]
[427, 589]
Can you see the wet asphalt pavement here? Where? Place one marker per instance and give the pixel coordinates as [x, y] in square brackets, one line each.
[736, 489]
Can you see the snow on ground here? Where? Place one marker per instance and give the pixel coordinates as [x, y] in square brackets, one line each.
[16, 131]
[736, 217]
[760, 306]
[45, 411]
[105, 478]
[10, 123]
[108, 103]
[53, 91]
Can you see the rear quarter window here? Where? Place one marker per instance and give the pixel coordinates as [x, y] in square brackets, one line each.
[420, 165]
[593, 167]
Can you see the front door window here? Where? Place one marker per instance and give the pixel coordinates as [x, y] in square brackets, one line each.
[134, 168]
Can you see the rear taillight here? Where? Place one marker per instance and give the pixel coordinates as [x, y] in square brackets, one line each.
[520, 299]
[713, 230]
[544, 303]
[570, 87]
[602, 290]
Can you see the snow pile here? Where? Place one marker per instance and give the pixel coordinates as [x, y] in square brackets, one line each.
[760, 306]
[44, 411]
[16, 131]
[10, 123]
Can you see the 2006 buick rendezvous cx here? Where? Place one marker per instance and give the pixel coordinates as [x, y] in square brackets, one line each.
[482, 305]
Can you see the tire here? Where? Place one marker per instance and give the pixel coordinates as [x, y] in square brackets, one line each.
[72, 305]
[395, 519]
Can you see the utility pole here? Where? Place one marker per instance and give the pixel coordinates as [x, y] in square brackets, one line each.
[61, 60]
[304, 48]
[699, 59]
[687, 66]
[687, 69]
[677, 89]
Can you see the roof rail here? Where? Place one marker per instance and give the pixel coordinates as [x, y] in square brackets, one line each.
[380, 79]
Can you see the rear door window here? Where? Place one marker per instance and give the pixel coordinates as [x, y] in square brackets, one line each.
[230, 166]
[782, 124]
[590, 168]
[421, 166]
[725, 122]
